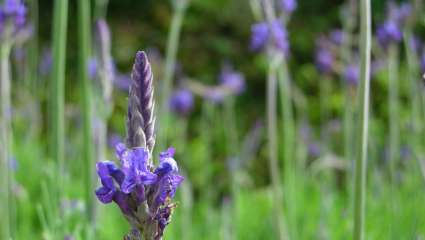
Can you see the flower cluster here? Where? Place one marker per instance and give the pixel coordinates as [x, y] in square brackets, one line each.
[391, 30]
[12, 17]
[142, 192]
[262, 33]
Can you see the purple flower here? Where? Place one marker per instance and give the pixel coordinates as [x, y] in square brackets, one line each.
[259, 35]
[13, 164]
[422, 63]
[181, 102]
[324, 60]
[399, 13]
[415, 43]
[262, 33]
[137, 184]
[337, 36]
[389, 33]
[352, 74]
[232, 80]
[288, 6]
[92, 68]
[314, 150]
[135, 168]
[106, 170]
[122, 81]
[376, 66]
[114, 140]
[280, 36]
[12, 12]
[214, 94]
[46, 62]
[167, 163]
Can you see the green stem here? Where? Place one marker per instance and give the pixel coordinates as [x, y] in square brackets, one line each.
[84, 55]
[393, 101]
[101, 7]
[273, 151]
[415, 99]
[170, 63]
[57, 91]
[364, 88]
[325, 95]
[288, 144]
[230, 127]
[5, 128]
[31, 71]
[346, 53]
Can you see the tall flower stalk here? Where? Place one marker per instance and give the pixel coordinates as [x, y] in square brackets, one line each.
[272, 147]
[270, 34]
[57, 86]
[415, 88]
[12, 23]
[84, 24]
[181, 104]
[180, 7]
[349, 24]
[142, 191]
[364, 89]
[5, 131]
[393, 108]
[102, 98]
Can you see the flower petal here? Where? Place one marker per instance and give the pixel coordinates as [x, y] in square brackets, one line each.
[104, 194]
[128, 184]
[121, 200]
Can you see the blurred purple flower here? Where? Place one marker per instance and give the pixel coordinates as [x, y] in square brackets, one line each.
[337, 36]
[69, 237]
[214, 94]
[13, 163]
[399, 13]
[46, 61]
[415, 43]
[16, 9]
[12, 12]
[325, 60]
[261, 34]
[376, 66]
[181, 102]
[232, 80]
[92, 68]
[422, 62]
[313, 150]
[280, 37]
[405, 152]
[113, 140]
[391, 30]
[352, 74]
[388, 33]
[288, 6]
[19, 54]
[122, 81]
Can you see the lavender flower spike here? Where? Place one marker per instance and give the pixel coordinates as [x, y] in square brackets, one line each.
[142, 191]
[140, 117]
